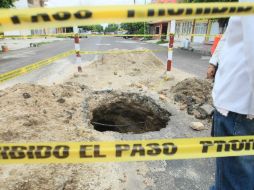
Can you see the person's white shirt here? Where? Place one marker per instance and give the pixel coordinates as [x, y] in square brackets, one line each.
[234, 81]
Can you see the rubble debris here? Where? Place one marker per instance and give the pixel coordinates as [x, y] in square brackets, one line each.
[194, 95]
[26, 95]
[198, 126]
[61, 100]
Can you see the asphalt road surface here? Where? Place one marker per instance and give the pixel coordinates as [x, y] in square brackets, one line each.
[187, 61]
[196, 174]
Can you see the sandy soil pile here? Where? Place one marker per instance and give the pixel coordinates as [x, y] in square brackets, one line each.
[193, 94]
[33, 113]
[142, 71]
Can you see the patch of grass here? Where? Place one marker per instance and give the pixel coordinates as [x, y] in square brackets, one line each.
[162, 42]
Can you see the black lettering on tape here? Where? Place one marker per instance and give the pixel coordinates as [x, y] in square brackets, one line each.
[207, 11]
[206, 145]
[218, 10]
[4, 151]
[199, 11]
[155, 149]
[43, 152]
[161, 12]
[248, 144]
[15, 20]
[45, 17]
[221, 145]
[244, 9]
[235, 147]
[60, 16]
[17, 152]
[169, 148]
[232, 9]
[120, 148]
[83, 14]
[131, 13]
[97, 153]
[61, 151]
[174, 12]
[83, 149]
[29, 153]
[189, 11]
[138, 149]
[150, 12]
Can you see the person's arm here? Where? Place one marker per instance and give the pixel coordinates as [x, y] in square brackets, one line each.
[213, 62]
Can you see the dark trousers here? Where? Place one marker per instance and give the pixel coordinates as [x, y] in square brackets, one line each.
[233, 173]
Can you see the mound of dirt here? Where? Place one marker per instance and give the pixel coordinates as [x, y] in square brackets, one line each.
[194, 95]
[34, 113]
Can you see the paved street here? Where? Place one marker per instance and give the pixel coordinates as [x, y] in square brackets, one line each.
[185, 60]
[193, 174]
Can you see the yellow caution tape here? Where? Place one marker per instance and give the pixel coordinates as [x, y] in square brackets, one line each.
[67, 35]
[119, 51]
[23, 70]
[123, 151]
[12, 19]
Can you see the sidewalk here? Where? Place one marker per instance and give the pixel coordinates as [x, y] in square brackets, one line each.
[203, 49]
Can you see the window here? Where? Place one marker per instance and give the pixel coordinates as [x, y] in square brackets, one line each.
[157, 30]
[200, 28]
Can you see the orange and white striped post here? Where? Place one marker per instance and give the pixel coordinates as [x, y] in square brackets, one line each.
[170, 42]
[77, 49]
[171, 45]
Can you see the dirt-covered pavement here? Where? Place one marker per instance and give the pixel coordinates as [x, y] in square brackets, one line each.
[64, 111]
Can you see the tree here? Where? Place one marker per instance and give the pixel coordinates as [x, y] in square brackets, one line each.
[135, 28]
[97, 28]
[111, 28]
[6, 3]
[223, 22]
[94, 28]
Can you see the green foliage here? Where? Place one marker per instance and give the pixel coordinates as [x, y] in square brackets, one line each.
[111, 28]
[135, 28]
[6, 3]
[97, 28]
[94, 28]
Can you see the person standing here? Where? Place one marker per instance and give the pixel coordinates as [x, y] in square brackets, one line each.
[233, 96]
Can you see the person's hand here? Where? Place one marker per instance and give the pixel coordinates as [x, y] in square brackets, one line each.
[211, 71]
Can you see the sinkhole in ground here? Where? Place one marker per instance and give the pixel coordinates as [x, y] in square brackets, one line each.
[131, 114]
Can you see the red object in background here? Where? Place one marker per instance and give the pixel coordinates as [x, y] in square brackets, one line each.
[215, 43]
[76, 39]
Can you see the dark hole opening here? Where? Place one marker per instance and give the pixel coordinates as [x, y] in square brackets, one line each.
[132, 117]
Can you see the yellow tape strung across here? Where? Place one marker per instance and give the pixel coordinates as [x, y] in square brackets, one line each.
[12, 19]
[23, 70]
[66, 35]
[122, 151]
[119, 51]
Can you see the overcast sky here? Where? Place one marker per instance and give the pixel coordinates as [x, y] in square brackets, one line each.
[59, 3]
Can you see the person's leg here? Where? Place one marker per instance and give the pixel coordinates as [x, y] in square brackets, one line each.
[234, 173]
